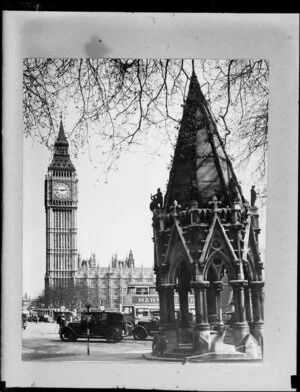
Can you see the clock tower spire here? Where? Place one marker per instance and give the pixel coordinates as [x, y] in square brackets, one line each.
[61, 158]
[61, 199]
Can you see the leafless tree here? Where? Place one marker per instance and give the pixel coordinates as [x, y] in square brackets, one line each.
[70, 296]
[118, 104]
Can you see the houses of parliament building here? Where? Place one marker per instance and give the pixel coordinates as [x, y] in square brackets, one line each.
[70, 280]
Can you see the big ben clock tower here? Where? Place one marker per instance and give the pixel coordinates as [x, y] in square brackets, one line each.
[61, 222]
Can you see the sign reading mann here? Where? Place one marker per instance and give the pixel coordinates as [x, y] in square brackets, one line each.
[145, 299]
[154, 299]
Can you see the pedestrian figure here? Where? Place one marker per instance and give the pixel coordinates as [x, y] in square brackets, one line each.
[253, 196]
[62, 322]
[58, 322]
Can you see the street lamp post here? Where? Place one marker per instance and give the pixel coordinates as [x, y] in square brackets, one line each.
[88, 305]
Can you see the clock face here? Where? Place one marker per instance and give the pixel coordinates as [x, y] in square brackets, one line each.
[61, 190]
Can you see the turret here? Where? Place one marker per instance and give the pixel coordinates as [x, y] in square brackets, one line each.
[130, 259]
[93, 260]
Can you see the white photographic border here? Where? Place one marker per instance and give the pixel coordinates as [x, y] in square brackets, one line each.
[274, 37]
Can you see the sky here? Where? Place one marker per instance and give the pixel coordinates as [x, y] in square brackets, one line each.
[113, 216]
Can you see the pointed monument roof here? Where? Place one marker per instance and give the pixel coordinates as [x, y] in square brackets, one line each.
[61, 159]
[200, 165]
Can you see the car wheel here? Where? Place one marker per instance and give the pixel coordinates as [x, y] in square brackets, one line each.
[139, 333]
[113, 335]
[67, 336]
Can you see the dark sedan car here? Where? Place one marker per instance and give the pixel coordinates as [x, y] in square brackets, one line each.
[146, 326]
[108, 325]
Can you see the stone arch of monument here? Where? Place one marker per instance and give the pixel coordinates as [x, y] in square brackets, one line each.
[216, 260]
[249, 269]
[178, 260]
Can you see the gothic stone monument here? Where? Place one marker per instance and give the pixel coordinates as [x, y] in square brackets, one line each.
[206, 243]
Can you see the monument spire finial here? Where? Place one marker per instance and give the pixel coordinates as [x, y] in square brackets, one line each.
[193, 66]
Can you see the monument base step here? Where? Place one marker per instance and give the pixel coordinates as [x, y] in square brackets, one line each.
[184, 349]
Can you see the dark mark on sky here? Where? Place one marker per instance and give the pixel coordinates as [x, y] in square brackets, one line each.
[95, 48]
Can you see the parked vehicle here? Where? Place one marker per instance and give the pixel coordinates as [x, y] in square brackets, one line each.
[44, 318]
[100, 324]
[146, 326]
[135, 311]
[67, 314]
[33, 316]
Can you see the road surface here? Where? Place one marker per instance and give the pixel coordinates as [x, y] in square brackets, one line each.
[40, 341]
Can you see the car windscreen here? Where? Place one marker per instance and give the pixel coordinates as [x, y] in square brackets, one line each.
[142, 312]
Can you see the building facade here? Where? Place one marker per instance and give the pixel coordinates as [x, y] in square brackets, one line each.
[70, 280]
[107, 286]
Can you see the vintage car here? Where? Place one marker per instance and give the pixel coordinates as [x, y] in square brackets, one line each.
[146, 326]
[33, 316]
[45, 318]
[99, 324]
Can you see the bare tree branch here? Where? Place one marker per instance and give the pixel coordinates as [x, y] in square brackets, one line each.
[121, 102]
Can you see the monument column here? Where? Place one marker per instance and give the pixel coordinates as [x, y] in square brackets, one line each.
[257, 301]
[166, 339]
[167, 305]
[201, 304]
[218, 285]
[184, 306]
[202, 330]
[241, 326]
[248, 302]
